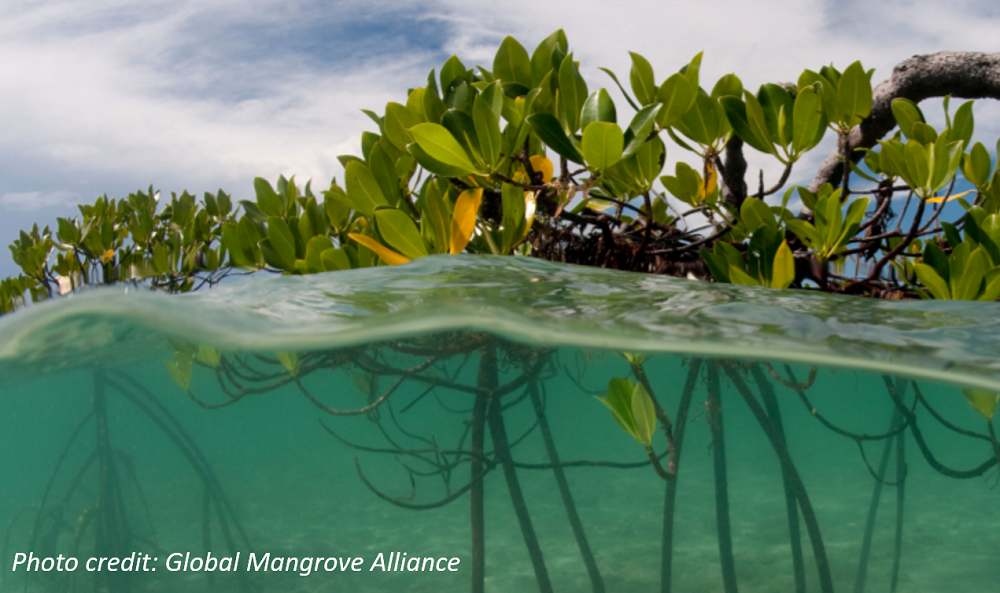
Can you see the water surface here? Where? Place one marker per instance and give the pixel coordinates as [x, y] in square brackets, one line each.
[105, 454]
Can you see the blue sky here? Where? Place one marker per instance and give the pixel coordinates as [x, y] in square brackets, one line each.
[103, 96]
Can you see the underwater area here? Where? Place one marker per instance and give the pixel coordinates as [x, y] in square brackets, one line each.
[468, 412]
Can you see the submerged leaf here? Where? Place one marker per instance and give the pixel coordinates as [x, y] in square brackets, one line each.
[644, 415]
[180, 369]
[981, 401]
[289, 360]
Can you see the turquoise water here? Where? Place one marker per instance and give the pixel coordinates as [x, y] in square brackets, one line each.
[105, 455]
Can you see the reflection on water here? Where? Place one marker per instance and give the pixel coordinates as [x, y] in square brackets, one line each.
[451, 460]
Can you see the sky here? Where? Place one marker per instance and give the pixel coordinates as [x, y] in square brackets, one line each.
[107, 97]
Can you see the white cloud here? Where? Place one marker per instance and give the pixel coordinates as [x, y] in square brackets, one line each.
[36, 200]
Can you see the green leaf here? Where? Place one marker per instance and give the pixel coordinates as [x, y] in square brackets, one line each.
[701, 123]
[754, 213]
[335, 259]
[827, 90]
[463, 129]
[947, 156]
[757, 121]
[289, 360]
[511, 63]
[829, 219]
[650, 158]
[452, 71]
[383, 169]
[231, 241]
[676, 94]
[603, 143]
[738, 276]
[936, 258]
[281, 243]
[951, 234]
[619, 401]
[892, 160]
[435, 166]
[513, 215]
[934, 283]
[918, 164]
[362, 189]
[728, 85]
[731, 254]
[572, 93]
[541, 58]
[180, 370]
[639, 129]
[399, 119]
[267, 199]
[982, 401]
[783, 272]
[434, 107]
[773, 98]
[551, 133]
[691, 70]
[368, 141]
[598, 107]
[488, 131]
[976, 166]
[208, 355]
[964, 123]
[400, 232]
[992, 290]
[923, 133]
[644, 415]
[438, 143]
[314, 250]
[808, 123]
[906, 113]
[806, 232]
[641, 77]
[760, 254]
[736, 113]
[717, 266]
[439, 217]
[855, 214]
[854, 91]
[969, 285]
[494, 98]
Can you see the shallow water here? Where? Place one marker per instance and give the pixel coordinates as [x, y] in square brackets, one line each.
[104, 454]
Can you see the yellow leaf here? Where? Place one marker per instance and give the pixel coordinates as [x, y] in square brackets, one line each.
[108, 256]
[463, 219]
[388, 255]
[599, 204]
[711, 179]
[939, 199]
[542, 165]
[529, 214]
[981, 401]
